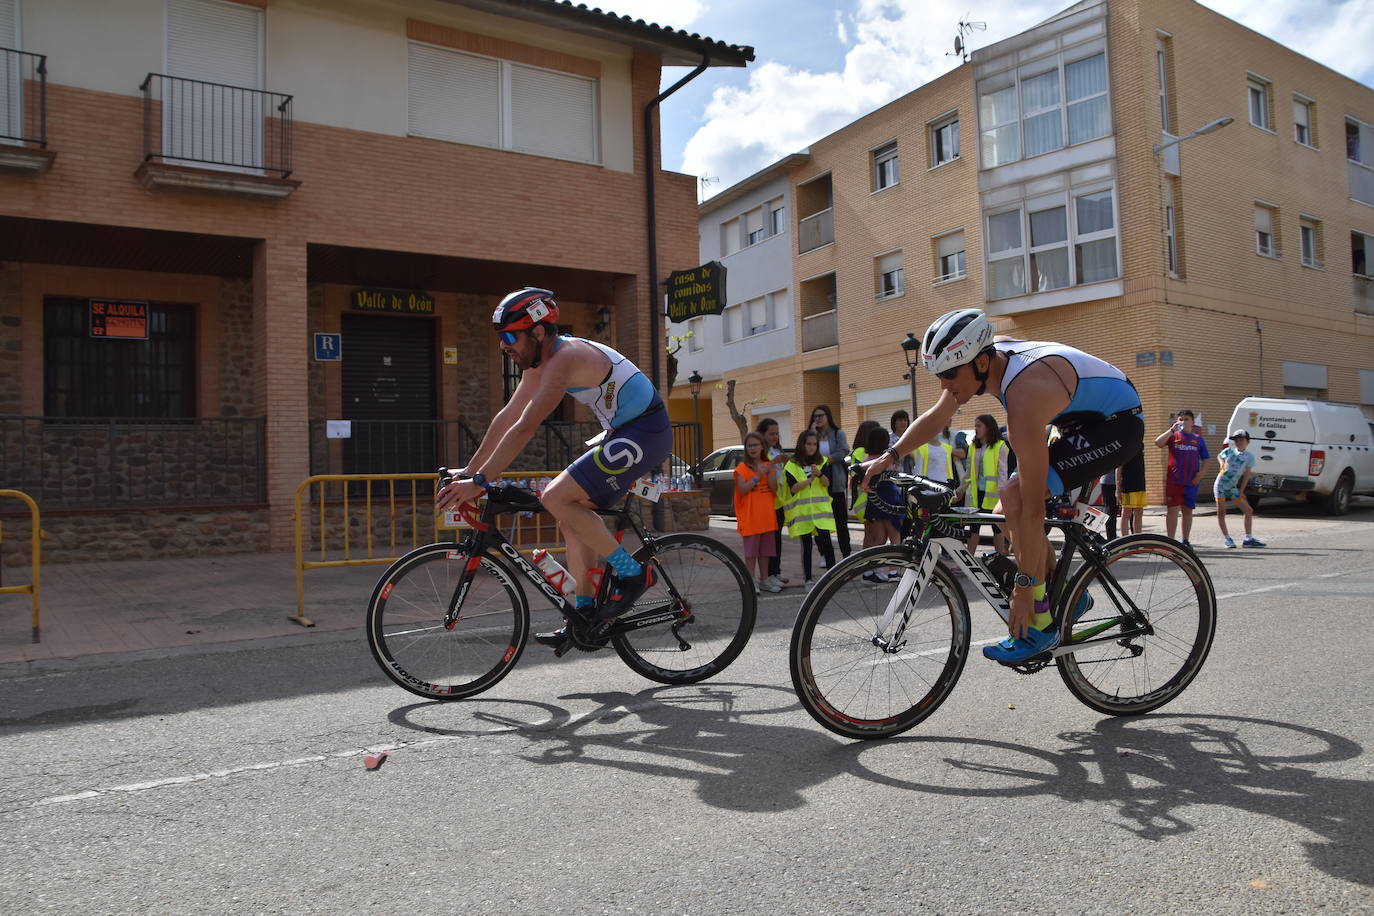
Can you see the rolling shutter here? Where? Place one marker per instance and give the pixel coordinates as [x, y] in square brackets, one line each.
[454, 96]
[553, 114]
[215, 43]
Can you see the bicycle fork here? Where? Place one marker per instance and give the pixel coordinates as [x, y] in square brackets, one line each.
[903, 600]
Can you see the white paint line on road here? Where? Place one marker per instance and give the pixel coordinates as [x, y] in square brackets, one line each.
[1272, 588]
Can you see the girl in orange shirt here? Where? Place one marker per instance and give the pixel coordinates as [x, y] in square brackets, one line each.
[756, 481]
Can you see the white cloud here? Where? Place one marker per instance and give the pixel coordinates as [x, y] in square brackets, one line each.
[840, 30]
[899, 45]
[678, 14]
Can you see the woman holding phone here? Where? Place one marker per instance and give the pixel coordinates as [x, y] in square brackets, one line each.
[834, 447]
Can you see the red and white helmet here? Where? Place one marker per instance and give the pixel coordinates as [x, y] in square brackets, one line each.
[954, 339]
[525, 308]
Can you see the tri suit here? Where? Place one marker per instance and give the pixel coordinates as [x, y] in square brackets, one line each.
[639, 434]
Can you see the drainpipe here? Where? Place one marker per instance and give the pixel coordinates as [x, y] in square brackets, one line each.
[655, 343]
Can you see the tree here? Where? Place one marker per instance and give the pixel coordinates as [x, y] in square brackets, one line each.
[675, 343]
[740, 421]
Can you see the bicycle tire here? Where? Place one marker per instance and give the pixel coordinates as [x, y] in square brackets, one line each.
[405, 623]
[836, 667]
[708, 578]
[1172, 587]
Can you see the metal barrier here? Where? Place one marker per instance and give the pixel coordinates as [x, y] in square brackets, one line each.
[342, 509]
[33, 589]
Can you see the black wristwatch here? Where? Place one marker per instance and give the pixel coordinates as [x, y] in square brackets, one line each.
[481, 480]
[1024, 581]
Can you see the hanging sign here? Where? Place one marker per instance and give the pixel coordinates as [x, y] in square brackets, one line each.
[406, 302]
[118, 318]
[699, 291]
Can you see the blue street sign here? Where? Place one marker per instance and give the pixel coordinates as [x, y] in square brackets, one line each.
[328, 347]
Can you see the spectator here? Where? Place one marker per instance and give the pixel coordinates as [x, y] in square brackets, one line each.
[768, 429]
[859, 501]
[900, 421]
[935, 460]
[1237, 463]
[1187, 451]
[1109, 503]
[880, 524]
[987, 473]
[755, 483]
[807, 507]
[834, 449]
[1132, 490]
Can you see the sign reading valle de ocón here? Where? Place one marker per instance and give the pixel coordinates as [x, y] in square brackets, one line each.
[699, 291]
[406, 302]
[119, 318]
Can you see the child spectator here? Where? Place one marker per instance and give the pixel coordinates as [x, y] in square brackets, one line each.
[807, 508]
[880, 525]
[1237, 462]
[755, 480]
[1132, 494]
[768, 429]
[987, 473]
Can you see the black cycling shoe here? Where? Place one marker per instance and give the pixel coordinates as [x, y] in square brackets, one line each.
[626, 592]
[554, 639]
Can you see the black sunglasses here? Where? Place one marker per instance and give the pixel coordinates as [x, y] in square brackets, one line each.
[949, 375]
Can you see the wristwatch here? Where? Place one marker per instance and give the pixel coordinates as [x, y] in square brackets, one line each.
[481, 480]
[1024, 581]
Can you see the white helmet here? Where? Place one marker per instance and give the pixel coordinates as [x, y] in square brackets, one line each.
[954, 339]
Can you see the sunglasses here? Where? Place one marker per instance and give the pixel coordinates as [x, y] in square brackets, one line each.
[508, 337]
[949, 375]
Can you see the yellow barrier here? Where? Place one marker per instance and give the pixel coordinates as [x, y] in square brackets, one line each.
[530, 532]
[33, 589]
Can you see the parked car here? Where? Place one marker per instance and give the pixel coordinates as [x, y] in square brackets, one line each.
[1306, 448]
[717, 474]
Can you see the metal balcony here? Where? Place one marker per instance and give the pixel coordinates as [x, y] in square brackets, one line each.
[190, 122]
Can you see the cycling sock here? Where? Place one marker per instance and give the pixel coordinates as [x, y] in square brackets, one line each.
[1038, 592]
[1042, 618]
[584, 602]
[625, 566]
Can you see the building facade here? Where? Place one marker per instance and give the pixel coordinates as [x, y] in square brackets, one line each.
[192, 192]
[1059, 181]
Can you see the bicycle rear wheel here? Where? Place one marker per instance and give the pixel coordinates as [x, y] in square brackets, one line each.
[405, 623]
[702, 576]
[861, 690]
[1139, 673]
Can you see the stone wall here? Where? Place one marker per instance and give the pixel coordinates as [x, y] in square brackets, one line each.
[237, 353]
[78, 537]
[11, 346]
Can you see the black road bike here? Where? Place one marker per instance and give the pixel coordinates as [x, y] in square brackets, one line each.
[450, 620]
[1135, 618]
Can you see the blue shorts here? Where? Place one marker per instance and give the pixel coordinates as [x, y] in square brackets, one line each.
[608, 471]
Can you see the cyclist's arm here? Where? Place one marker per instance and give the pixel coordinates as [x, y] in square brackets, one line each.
[539, 392]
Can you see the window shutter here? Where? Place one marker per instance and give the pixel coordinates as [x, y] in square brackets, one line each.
[1300, 113]
[951, 244]
[1263, 223]
[9, 24]
[215, 41]
[553, 114]
[454, 96]
[889, 262]
[755, 220]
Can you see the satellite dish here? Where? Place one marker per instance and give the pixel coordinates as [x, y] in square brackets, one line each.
[958, 45]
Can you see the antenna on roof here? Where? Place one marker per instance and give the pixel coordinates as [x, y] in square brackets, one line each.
[961, 40]
[703, 181]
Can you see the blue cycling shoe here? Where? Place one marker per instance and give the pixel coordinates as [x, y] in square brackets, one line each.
[1085, 604]
[1010, 651]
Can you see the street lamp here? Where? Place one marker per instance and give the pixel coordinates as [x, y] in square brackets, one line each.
[1207, 128]
[695, 381]
[911, 352]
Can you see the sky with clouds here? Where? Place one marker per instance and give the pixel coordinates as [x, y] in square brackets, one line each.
[819, 64]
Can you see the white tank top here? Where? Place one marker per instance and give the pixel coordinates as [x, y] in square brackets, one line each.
[623, 395]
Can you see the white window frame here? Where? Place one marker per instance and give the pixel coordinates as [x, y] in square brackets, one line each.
[775, 317]
[1162, 66]
[697, 328]
[730, 239]
[1068, 199]
[1013, 80]
[959, 264]
[1266, 242]
[777, 215]
[886, 161]
[1308, 106]
[947, 122]
[1057, 108]
[1032, 249]
[1310, 242]
[1368, 254]
[1260, 89]
[891, 282]
[1171, 238]
[754, 236]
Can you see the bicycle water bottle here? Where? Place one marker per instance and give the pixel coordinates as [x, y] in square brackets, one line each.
[558, 577]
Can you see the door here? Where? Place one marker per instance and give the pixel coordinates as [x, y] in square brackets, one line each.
[212, 114]
[389, 394]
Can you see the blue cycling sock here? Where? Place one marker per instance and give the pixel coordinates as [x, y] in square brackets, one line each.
[625, 566]
[584, 602]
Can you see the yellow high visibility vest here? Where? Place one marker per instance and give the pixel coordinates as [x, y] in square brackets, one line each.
[923, 454]
[983, 469]
[810, 507]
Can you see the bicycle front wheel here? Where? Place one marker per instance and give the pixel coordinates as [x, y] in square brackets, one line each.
[406, 632]
[1136, 674]
[863, 672]
[701, 576]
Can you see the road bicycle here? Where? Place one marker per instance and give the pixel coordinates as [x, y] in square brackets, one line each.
[450, 620]
[873, 659]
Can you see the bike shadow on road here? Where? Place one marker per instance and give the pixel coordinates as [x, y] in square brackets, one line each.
[714, 736]
[1152, 769]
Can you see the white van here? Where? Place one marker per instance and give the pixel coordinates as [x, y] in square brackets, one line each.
[1313, 448]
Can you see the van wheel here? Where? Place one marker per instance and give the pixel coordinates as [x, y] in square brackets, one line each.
[1338, 502]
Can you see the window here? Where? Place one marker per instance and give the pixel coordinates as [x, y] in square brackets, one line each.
[1361, 254]
[949, 257]
[885, 166]
[1163, 57]
[755, 316]
[1310, 240]
[1303, 121]
[696, 327]
[469, 98]
[85, 376]
[216, 43]
[754, 227]
[1266, 230]
[729, 237]
[944, 141]
[1259, 103]
[891, 277]
[777, 217]
[1061, 106]
[1073, 241]
[1172, 229]
[1352, 141]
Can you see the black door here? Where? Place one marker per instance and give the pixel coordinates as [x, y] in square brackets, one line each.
[388, 393]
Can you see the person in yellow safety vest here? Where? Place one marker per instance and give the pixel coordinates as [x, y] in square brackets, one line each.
[808, 511]
[935, 460]
[987, 471]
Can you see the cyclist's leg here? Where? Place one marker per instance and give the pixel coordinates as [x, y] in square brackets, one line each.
[583, 530]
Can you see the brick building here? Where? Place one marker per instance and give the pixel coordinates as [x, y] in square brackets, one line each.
[192, 190]
[1026, 182]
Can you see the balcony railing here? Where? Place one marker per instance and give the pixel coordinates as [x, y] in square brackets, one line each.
[23, 97]
[192, 122]
[819, 331]
[105, 463]
[816, 230]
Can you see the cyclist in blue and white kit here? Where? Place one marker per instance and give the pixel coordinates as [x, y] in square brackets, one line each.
[1095, 407]
[638, 438]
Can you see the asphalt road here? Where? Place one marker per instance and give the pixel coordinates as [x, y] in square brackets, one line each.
[232, 781]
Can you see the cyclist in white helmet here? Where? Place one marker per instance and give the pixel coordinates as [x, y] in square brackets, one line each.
[1095, 407]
